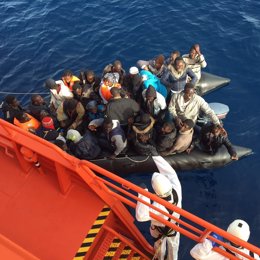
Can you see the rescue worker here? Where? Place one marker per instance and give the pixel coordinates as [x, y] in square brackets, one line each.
[238, 228]
[166, 186]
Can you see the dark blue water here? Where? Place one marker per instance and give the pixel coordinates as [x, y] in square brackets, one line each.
[40, 39]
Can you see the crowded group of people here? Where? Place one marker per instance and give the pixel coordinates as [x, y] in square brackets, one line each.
[151, 110]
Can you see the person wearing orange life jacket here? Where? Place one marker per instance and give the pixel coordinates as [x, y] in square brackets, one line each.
[107, 83]
[168, 187]
[26, 122]
[69, 79]
[238, 228]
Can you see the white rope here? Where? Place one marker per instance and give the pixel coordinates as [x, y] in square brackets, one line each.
[24, 93]
[123, 158]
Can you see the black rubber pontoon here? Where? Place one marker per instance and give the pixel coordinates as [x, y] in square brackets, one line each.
[210, 82]
[180, 162]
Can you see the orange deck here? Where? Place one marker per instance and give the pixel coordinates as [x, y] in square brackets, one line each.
[48, 230]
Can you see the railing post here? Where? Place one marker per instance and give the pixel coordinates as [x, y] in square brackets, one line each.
[64, 178]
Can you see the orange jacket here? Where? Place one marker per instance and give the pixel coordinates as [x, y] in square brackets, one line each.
[32, 123]
[105, 93]
[73, 80]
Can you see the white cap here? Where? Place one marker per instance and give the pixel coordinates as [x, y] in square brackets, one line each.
[133, 70]
[240, 229]
[161, 185]
[73, 135]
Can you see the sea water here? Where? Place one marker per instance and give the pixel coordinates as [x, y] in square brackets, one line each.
[40, 39]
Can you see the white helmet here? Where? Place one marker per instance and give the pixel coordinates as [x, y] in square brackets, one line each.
[240, 229]
[73, 135]
[161, 185]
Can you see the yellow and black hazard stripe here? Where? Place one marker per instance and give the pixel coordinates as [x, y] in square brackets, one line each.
[112, 249]
[89, 239]
[127, 251]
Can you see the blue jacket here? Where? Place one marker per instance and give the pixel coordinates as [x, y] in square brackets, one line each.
[154, 81]
[177, 84]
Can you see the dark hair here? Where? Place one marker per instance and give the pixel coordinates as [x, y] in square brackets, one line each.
[70, 104]
[159, 59]
[176, 52]
[59, 143]
[115, 91]
[188, 86]
[67, 73]
[50, 84]
[90, 73]
[34, 96]
[117, 62]
[189, 123]
[10, 99]
[107, 121]
[178, 59]
[76, 86]
[169, 124]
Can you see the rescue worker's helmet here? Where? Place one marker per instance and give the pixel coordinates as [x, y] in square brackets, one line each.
[161, 185]
[240, 229]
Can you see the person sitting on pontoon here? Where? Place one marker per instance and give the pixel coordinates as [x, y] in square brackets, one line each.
[10, 108]
[195, 60]
[212, 137]
[187, 104]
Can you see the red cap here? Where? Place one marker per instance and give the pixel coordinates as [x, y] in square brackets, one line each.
[47, 122]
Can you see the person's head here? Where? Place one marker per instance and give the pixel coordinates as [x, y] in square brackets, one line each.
[90, 76]
[107, 125]
[47, 122]
[115, 92]
[73, 135]
[51, 84]
[61, 144]
[70, 105]
[240, 229]
[22, 117]
[108, 80]
[216, 130]
[175, 54]
[189, 91]
[77, 88]
[92, 106]
[187, 125]
[150, 93]
[163, 187]
[67, 76]
[179, 64]
[159, 61]
[37, 100]
[167, 127]
[143, 138]
[192, 52]
[12, 101]
[117, 66]
[43, 114]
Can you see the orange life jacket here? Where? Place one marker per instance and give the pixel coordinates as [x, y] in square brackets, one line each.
[32, 123]
[105, 91]
[73, 80]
